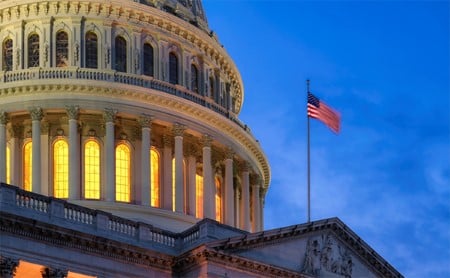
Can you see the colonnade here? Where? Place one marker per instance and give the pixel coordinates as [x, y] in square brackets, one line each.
[240, 206]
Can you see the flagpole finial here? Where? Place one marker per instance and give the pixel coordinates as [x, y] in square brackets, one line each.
[307, 85]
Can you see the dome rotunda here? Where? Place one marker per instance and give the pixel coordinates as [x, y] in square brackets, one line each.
[130, 107]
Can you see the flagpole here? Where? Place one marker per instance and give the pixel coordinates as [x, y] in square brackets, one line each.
[308, 157]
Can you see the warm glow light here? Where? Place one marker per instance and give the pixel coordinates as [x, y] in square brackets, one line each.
[218, 200]
[154, 156]
[91, 170]
[8, 165]
[199, 196]
[27, 166]
[61, 169]
[122, 173]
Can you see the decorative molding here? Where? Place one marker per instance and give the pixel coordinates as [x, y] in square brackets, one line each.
[72, 111]
[36, 113]
[145, 121]
[178, 130]
[109, 115]
[206, 140]
[229, 153]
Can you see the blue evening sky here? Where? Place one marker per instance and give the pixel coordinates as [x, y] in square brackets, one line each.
[385, 66]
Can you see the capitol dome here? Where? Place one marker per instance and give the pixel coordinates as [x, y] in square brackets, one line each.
[129, 107]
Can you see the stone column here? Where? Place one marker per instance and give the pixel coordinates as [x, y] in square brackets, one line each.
[256, 200]
[229, 189]
[245, 220]
[8, 267]
[237, 202]
[167, 170]
[74, 153]
[3, 122]
[209, 198]
[146, 166]
[192, 183]
[15, 131]
[109, 116]
[36, 117]
[178, 131]
[53, 273]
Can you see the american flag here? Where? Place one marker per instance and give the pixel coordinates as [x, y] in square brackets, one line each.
[319, 110]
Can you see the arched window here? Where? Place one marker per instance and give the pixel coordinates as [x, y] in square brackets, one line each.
[33, 50]
[148, 59]
[154, 172]
[61, 169]
[194, 78]
[91, 50]
[91, 170]
[123, 161]
[218, 200]
[212, 93]
[199, 196]
[27, 165]
[173, 68]
[62, 49]
[8, 164]
[7, 54]
[120, 54]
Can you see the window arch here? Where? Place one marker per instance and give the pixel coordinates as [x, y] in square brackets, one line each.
[8, 164]
[194, 78]
[218, 199]
[155, 181]
[27, 166]
[92, 170]
[91, 46]
[33, 50]
[120, 54]
[123, 163]
[61, 169]
[173, 68]
[62, 49]
[7, 50]
[148, 60]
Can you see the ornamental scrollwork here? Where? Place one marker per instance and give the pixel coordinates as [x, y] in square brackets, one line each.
[72, 111]
[36, 113]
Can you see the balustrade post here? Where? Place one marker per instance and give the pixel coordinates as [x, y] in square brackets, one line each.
[57, 208]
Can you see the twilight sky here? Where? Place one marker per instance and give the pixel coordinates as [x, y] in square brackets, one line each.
[385, 67]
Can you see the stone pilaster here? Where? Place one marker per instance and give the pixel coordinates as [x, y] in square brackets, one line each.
[229, 189]
[3, 122]
[209, 189]
[36, 117]
[245, 202]
[178, 131]
[146, 166]
[74, 153]
[109, 116]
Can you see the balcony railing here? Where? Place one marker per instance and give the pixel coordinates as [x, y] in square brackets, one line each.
[118, 77]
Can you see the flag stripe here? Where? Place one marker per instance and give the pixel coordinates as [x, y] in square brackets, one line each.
[319, 110]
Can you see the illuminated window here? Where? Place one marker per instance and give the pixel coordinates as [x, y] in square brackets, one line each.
[173, 68]
[7, 54]
[199, 196]
[218, 200]
[194, 78]
[120, 54]
[91, 170]
[62, 49]
[123, 173]
[27, 166]
[33, 50]
[8, 165]
[91, 50]
[148, 59]
[61, 169]
[155, 186]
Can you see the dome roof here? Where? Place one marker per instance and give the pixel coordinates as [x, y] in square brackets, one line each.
[189, 10]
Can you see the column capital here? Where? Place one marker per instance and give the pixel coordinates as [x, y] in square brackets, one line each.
[145, 121]
[3, 118]
[72, 111]
[15, 130]
[229, 153]
[206, 140]
[178, 129]
[167, 140]
[246, 166]
[109, 115]
[36, 113]
[53, 273]
[191, 150]
[255, 180]
[8, 266]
